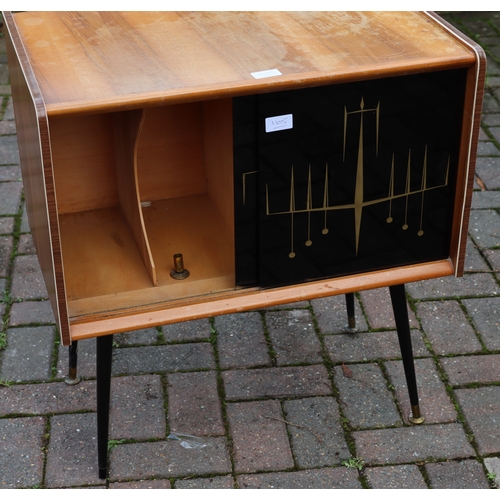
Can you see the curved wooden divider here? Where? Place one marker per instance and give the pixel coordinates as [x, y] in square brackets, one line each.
[127, 126]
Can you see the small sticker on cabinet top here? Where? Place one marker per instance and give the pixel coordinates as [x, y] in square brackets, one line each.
[275, 123]
[266, 74]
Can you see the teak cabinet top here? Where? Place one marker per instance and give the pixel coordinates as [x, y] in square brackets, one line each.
[99, 98]
[89, 61]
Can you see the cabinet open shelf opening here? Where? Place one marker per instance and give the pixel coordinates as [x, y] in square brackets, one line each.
[144, 185]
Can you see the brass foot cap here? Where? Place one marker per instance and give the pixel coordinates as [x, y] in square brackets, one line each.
[416, 420]
[72, 380]
[350, 329]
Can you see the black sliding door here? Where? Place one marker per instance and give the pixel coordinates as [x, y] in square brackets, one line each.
[345, 179]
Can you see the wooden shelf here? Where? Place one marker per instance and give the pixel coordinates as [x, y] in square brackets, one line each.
[105, 271]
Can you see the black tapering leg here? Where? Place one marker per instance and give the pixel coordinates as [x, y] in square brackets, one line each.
[399, 306]
[104, 357]
[351, 314]
[72, 377]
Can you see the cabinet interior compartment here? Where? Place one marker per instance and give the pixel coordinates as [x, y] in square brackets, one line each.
[136, 187]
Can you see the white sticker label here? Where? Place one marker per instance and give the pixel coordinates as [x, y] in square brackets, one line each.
[275, 123]
[266, 74]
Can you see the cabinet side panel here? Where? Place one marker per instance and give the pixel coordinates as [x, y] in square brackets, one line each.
[34, 150]
[470, 132]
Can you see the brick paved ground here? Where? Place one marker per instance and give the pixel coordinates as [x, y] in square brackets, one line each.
[265, 389]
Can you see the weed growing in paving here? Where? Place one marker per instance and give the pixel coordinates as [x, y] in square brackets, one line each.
[114, 442]
[354, 463]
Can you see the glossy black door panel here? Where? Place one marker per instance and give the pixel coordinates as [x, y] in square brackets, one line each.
[347, 178]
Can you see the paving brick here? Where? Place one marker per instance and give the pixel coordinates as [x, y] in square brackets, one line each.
[147, 336]
[10, 197]
[491, 119]
[28, 355]
[194, 406]
[473, 260]
[331, 314]
[25, 228]
[335, 478]
[317, 437]
[240, 341]
[27, 279]
[6, 245]
[483, 136]
[378, 309]
[493, 466]
[21, 457]
[365, 398]
[72, 451]
[206, 483]
[7, 127]
[199, 329]
[487, 148]
[477, 25]
[259, 436]
[495, 131]
[9, 152]
[472, 369]
[26, 244]
[395, 477]
[485, 314]
[8, 114]
[31, 312]
[10, 173]
[412, 444]
[447, 327]
[276, 382]
[491, 69]
[6, 225]
[163, 358]
[487, 169]
[293, 337]
[481, 407]
[484, 228]
[55, 397]
[485, 199]
[493, 258]
[464, 474]
[370, 346]
[4, 75]
[469, 285]
[86, 366]
[158, 484]
[168, 459]
[136, 410]
[435, 404]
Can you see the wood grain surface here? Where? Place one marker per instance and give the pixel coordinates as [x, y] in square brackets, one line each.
[88, 61]
[38, 177]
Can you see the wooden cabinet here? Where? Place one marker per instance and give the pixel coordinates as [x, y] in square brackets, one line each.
[143, 135]
[284, 156]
